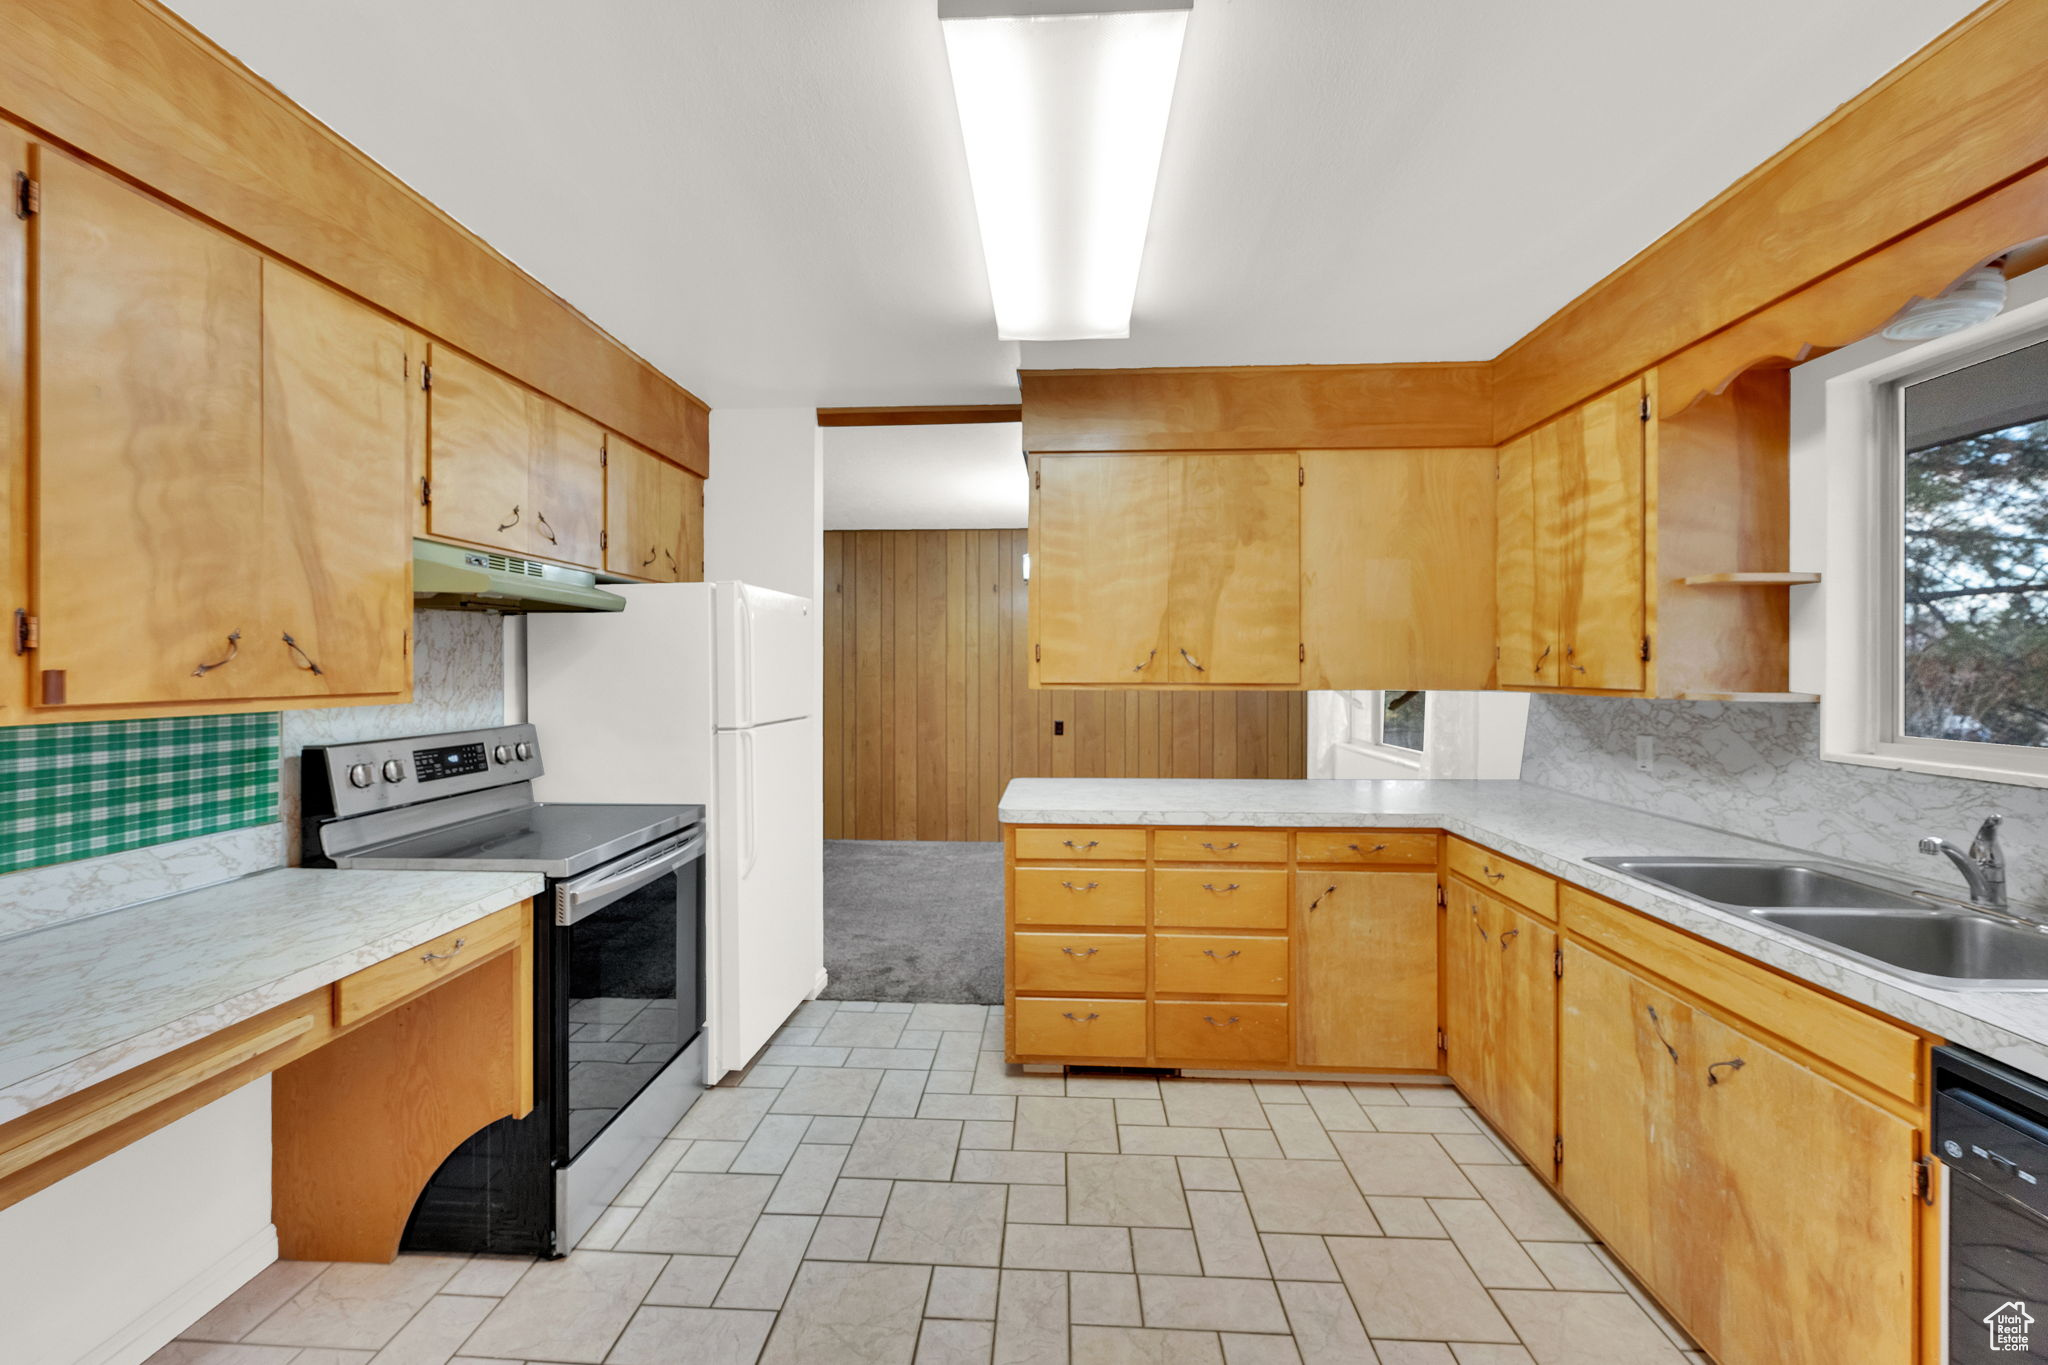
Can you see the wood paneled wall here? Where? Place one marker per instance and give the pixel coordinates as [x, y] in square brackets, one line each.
[927, 715]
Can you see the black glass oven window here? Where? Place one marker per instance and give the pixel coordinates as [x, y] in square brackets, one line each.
[626, 1017]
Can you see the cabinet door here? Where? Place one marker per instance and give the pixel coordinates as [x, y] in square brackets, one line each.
[1529, 525]
[1468, 995]
[1099, 576]
[1602, 482]
[1234, 613]
[566, 484]
[1522, 1040]
[644, 513]
[691, 490]
[1768, 1207]
[337, 536]
[1365, 969]
[1397, 568]
[479, 452]
[14, 425]
[148, 467]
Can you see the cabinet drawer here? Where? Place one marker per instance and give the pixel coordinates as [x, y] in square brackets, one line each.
[1080, 895]
[1080, 1028]
[1219, 1031]
[1503, 877]
[1219, 846]
[399, 978]
[1078, 962]
[1122, 845]
[1219, 964]
[1219, 900]
[1364, 846]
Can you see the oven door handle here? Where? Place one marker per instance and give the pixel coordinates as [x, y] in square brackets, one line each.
[578, 899]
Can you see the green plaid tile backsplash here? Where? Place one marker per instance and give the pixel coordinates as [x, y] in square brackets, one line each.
[77, 791]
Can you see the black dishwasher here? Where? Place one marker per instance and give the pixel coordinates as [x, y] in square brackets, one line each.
[1991, 1130]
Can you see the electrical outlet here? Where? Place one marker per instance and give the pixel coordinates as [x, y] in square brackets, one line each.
[1646, 753]
[1059, 727]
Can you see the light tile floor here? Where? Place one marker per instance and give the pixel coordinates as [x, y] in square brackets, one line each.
[880, 1187]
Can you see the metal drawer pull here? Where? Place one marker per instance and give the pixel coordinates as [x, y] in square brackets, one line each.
[1376, 848]
[1219, 890]
[1540, 658]
[1491, 875]
[1477, 925]
[443, 957]
[1071, 887]
[546, 529]
[1651, 1010]
[1191, 662]
[1221, 957]
[306, 661]
[1734, 1064]
[1507, 934]
[1080, 848]
[1069, 1014]
[1080, 952]
[1211, 1019]
[1213, 849]
[652, 555]
[1140, 668]
[506, 526]
[673, 567]
[1328, 890]
[234, 648]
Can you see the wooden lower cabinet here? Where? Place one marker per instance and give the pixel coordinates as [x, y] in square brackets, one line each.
[1365, 970]
[1219, 1033]
[1500, 1016]
[1081, 1029]
[1768, 1207]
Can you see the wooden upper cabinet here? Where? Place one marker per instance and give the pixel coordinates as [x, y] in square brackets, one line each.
[1179, 569]
[692, 491]
[1234, 599]
[1100, 569]
[511, 469]
[337, 460]
[1569, 554]
[149, 463]
[1698, 1152]
[1602, 494]
[1397, 568]
[14, 147]
[647, 514]
[1365, 969]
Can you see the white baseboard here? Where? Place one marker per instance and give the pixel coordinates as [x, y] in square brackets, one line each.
[818, 987]
[198, 1296]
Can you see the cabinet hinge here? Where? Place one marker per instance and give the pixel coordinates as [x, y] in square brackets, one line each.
[1643, 411]
[426, 493]
[1034, 654]
[1442, 1043]
[426, 376]
[28, 195]
[1557, 1151]
[1557, 963]
[1301, 476]
[1301, 654]
[1923, 1179]
[604, 540]
[1440, 896]
[1037, 479]
[604, 457]
[28, 631]
[1646, 649]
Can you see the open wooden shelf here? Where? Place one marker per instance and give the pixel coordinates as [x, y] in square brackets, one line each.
[1750, 696]
[1747, 580]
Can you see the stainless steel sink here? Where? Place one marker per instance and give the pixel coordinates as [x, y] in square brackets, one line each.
[1921, 938]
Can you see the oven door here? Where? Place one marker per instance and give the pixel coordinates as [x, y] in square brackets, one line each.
[627, 980]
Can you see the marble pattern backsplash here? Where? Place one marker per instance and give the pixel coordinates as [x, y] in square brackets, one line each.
[1756, 769]
[458, 684]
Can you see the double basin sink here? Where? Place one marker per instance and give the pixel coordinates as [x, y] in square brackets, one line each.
[1913, 936]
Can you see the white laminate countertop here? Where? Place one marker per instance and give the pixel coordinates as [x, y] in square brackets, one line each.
[1557, 832]
[89, 998]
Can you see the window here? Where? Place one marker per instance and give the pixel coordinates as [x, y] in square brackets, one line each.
[1389, 719]
[1969, 599]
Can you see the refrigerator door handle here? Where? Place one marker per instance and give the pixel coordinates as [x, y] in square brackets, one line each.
[743, 704]
[750, 844]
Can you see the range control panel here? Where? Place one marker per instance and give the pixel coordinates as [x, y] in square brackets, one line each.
[380, 774]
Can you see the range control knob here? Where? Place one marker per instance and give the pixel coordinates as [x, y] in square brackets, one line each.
[359, 775]
[524, 750]
[394, 771]
[502, 754]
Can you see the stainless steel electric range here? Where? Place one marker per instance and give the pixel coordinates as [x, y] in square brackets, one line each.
[619, 984]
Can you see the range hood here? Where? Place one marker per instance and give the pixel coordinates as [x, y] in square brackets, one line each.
[450, 578]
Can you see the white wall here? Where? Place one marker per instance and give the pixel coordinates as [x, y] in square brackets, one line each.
[764, 523]
[1464, 734]
[108, 1264]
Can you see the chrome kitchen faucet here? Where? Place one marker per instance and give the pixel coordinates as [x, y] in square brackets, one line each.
[1982, 865]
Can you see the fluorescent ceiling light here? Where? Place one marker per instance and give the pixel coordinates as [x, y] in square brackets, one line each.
[1064, 116]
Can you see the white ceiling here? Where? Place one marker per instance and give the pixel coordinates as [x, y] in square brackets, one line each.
[768, 198]
[925, 478]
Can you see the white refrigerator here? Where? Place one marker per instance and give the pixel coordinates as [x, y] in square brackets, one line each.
[705, 693]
